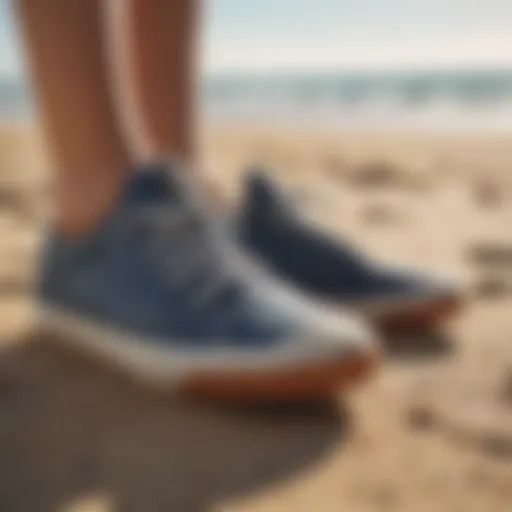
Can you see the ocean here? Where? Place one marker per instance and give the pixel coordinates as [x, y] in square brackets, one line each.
[423, 100]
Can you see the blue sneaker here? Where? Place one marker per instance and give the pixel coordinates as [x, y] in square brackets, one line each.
[158, 289]
[333, 270]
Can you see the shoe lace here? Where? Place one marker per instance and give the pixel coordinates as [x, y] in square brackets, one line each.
[194, 254]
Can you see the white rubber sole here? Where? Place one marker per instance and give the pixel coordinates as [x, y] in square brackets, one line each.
[172, 365]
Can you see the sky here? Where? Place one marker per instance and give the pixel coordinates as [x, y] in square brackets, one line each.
[301, 35]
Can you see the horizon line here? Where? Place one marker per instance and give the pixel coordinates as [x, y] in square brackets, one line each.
[19, 75]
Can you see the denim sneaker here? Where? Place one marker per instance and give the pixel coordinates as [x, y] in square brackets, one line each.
[332, 269]
[159, 289]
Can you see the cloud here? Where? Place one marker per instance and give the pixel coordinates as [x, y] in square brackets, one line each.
[245, 35]
[484, 49]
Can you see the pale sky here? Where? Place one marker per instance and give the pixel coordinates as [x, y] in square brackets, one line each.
[269, 35]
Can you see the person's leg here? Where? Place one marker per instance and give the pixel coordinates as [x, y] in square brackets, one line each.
[64, 44]
[152, 285]
[158, 52]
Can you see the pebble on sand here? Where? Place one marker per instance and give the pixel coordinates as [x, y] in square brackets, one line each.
[488, 194]
[492, 287]
[491, 254]
[382, 174]
[376, 174]
[421, 417]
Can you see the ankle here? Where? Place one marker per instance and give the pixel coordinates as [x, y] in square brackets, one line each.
[83, 203]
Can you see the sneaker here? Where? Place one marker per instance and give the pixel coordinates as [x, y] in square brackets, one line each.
[158, 289]
[332, 269]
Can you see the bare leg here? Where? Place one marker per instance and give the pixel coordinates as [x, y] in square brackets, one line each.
[158, 50]
[65, 48]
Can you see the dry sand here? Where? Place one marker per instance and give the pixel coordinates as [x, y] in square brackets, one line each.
[432, 433]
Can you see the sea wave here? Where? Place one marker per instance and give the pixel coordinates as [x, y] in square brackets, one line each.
[458, 100]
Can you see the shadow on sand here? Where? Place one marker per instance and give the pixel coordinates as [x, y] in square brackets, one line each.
[419, 346]
[69, 428]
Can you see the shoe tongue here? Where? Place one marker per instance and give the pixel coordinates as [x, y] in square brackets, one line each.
[159, 182]
[152, 185]
[263, 195]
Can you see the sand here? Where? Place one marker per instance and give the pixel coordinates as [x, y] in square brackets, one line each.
[432, 432]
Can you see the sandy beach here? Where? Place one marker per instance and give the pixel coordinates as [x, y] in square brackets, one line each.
[432, 433]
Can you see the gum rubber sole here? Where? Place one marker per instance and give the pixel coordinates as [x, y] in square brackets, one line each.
[259, 381]
[316, 380]
[420, 316]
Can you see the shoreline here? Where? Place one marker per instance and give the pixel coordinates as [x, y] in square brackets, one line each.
[314, 128]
